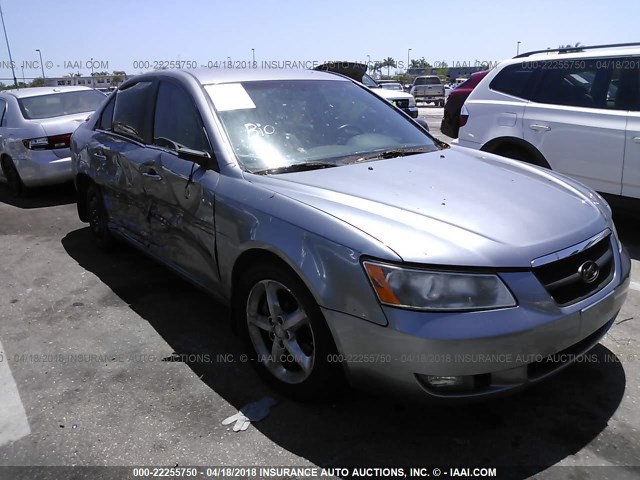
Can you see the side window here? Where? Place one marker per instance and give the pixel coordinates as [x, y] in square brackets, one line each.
[177, 121]
[131, 110]
[604, 83]
[515, 80]
[104, 123]
[625, 88]
[3, 109]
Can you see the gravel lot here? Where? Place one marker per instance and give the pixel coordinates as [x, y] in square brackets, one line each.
[138, 393]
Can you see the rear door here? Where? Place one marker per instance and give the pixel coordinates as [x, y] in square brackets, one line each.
[630, 99]
[183, 192]
[122, 159]
[576, 123]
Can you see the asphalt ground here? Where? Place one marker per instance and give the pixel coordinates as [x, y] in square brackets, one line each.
[110, 359]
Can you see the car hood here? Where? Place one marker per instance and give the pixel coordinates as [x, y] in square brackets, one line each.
[391, 94]
[452, 207]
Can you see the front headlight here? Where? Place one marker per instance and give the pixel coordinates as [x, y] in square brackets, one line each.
[432, 290]
[412, 102]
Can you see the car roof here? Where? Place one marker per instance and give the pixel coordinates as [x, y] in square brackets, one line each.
[207, 76]
[37, 91]
[576, 53]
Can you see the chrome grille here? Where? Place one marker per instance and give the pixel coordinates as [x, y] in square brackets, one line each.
[564, 280]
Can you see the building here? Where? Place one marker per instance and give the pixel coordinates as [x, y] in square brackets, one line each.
[99, 82]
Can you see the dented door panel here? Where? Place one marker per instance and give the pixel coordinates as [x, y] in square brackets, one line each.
[181, 218]
[119, 165]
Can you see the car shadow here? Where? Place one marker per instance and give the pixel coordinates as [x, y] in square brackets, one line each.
[627, 226]
[527, 432]
[40, 197]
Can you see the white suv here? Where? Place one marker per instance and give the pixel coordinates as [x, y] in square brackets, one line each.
[576, 111]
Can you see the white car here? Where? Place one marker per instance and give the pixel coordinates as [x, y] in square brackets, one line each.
[575, 111]
[35, 130]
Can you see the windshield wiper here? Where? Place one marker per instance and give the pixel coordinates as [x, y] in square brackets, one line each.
[391, 153]
[296, 167]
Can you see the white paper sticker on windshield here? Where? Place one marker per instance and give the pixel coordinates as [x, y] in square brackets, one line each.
[229, 96]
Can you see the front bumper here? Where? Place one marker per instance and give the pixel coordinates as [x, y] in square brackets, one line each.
[44, 167]
[495, 351]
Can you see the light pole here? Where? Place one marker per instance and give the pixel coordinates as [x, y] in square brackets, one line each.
[408, 52]
[13, 71]
[518, 48]
[368, 61]
[253, 55]
[41, 64]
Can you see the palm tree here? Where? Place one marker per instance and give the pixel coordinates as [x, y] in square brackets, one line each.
[420, 63]
[570, 46]
[388, 62]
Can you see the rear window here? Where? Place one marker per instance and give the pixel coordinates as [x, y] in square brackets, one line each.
[514, 80]
[428, 81]
[59, 104]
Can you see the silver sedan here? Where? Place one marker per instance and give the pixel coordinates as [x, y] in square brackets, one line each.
[35, 130]
[348, 242]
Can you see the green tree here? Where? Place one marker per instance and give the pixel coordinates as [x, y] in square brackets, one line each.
[388, 62]
[117, 77]
[377, 66]
[37, 82]
[578, 44]
[420, 63]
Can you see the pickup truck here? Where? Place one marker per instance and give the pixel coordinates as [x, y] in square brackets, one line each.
[428, 88]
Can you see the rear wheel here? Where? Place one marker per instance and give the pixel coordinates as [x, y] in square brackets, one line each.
[16, 187]
[285, 333]
[98, 218]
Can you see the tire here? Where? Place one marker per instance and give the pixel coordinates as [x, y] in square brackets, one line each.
[16, 187]
[285, 334]
[98, 218]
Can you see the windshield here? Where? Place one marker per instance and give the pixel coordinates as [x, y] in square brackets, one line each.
[276, 124]
[59, 104]
[427, 81]
[391, 86]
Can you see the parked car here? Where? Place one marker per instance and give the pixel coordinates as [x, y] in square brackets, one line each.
[451, 120]
[35, 129]
[575, 111]
[428, 88]
[348, 241]
[357, 71]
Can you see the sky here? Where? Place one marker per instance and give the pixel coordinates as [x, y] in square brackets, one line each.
[135, 36]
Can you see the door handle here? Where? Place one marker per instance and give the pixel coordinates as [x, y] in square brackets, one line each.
[539, 128]
[152, 175]
[636, 139]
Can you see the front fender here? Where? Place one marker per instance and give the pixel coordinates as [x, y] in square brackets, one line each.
[322, 250]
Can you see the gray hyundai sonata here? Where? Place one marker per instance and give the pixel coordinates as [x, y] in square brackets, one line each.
[348, 242]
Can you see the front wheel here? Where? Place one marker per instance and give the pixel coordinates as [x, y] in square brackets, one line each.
[285, 333]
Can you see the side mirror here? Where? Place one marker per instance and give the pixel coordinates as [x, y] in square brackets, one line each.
[200, 157]
[422, 122]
